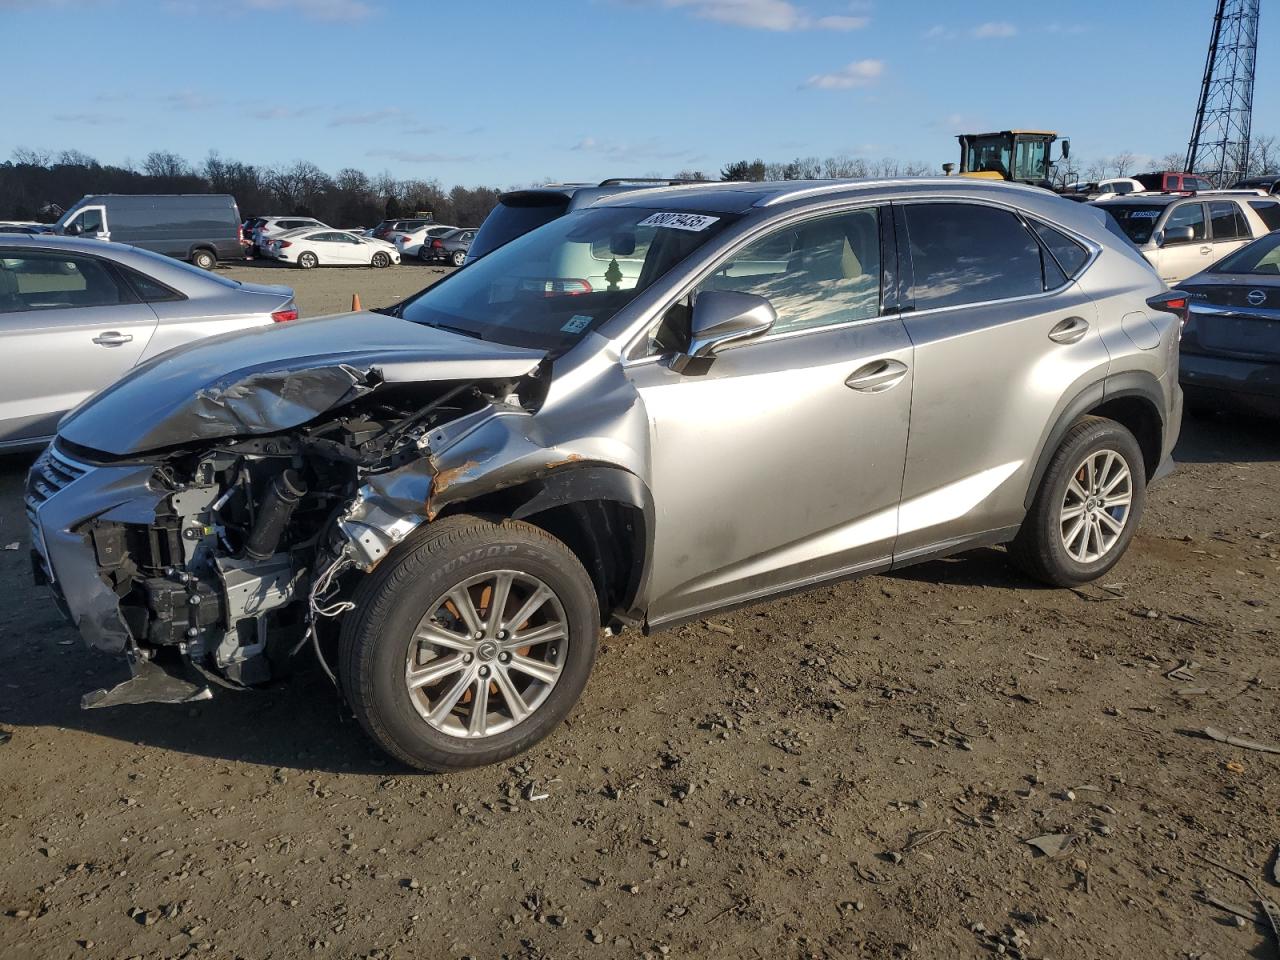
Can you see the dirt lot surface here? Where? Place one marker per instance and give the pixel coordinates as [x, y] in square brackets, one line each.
[852, 772]
[329, 289]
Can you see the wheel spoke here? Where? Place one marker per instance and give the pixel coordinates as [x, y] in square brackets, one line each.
[498, 603]
[1090, 477]
[1116, 526]
[1077, 491]
[539, 669]
[1119, 478]
[435, 634]
[531, 606]
[1071, 512]
[1069, 538]
[515, 703]
[531, 638]
[478, 722]
[461, 598]
[435, 670]
[446, 703]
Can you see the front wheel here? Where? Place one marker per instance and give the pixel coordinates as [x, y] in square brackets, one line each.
[459, 257]
[204, 260]
[381, 259]
[1087, 508]
[469, 644]
[307, 260]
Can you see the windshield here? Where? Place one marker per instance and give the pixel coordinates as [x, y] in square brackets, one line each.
[1137, 220]
[1031, 162]
[989, 155]
[549, 287]
[1260, 257]
[517, 215]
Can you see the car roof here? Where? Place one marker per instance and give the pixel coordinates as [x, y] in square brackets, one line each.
[1167, 198]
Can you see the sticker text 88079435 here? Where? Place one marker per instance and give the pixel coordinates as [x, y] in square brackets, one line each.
[678, 221]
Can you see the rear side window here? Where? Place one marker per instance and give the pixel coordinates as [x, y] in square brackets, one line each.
[966, 253]
[52, 281]
[1268, 211]
[1228, 222]
[148, 290]
[514, 217]
[1070, 255]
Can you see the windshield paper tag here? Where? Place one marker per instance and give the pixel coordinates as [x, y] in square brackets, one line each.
[1143, 214]
[576, 324]
[678, 221]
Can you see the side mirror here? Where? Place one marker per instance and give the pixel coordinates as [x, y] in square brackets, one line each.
[1175, 235]
[1066, 149]
[73, 230]
[721, 317]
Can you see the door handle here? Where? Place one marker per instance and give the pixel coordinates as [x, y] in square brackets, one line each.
[876, 376]
[1206, 250]
[112, 338]
[1070, 330]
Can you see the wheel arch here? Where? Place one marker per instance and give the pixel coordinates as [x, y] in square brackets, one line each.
[202, 246]
[1132, 399]
[605, 515]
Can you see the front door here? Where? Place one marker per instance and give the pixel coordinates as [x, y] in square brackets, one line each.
[781, 464]
[1177, 261]
[89, 222]
[1001, 335]
[67, 329]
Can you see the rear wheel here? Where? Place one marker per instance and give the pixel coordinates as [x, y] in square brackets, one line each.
[424, 254]
[459, 257]
[381, 259]
[1087, 508]
[307, 260]
[204, 259]
[470, 644]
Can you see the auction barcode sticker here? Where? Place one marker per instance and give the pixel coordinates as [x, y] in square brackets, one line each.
[678, 221]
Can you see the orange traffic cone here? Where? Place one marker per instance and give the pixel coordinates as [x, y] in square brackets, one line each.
[355, 302]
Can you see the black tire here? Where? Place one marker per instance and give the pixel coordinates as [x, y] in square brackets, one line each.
[307, 260]
[392, 601]
[424, 254]
[459, 257]
[380, 259]
[1038, 549]
[204, 259]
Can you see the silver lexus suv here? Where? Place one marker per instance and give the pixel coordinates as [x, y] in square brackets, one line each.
[768, 387]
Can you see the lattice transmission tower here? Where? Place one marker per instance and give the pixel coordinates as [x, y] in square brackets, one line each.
[1219, 147]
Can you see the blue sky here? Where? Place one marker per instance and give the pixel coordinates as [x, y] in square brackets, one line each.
[509, 93]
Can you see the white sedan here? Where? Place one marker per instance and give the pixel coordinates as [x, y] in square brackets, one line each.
[409, 243]
[311, 248]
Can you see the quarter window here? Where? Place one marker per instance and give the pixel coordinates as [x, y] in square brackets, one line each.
[1188, 215]
[1070, 255]
[965, 253]
[47, 281]
[816, 274]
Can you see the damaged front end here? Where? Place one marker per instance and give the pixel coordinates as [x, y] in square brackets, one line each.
[214, 561]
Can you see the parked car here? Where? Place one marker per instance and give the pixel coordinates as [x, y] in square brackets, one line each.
[1170, 181]
[450, 247]
[1231, 344]
[22, 226]
[332, 248]
[385, 229]
[272, 227]
[1269, 183]
[202, 228]
[77, 314]
[519, 211]
[1182, 235]
[1096, 190]
[480, 478]
[410, 243]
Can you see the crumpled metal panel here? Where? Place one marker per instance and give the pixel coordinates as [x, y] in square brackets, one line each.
[269, 379]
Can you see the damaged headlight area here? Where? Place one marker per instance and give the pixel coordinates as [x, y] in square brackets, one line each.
[217, 564]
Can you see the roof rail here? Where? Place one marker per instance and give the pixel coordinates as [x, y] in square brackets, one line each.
[618, 181]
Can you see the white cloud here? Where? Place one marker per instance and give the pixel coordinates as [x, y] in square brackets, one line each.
[780, 16]
[408, 156]
[315, 9]
[88, 118]
[190, 100]
[994, 30]
[365, 118]
[651, 149]
[860, 73]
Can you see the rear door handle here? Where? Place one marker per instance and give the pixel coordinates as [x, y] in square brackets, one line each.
[112, 338]
[1070, 330]
[876, 376]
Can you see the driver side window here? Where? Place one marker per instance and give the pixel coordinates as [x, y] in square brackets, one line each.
[816, 274]
[89, 221]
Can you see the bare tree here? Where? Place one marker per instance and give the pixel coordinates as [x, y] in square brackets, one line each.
[32, 158]
[1121, 164]
[163, 163]
[843, 166]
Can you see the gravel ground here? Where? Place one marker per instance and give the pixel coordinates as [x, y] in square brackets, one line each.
[325, 290]
[849, 772]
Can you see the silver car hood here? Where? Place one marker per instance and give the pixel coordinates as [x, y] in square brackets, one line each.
[268, 379]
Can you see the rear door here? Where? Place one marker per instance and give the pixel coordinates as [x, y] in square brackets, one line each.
[1001, 335]
[1228, 228]
[68, 327]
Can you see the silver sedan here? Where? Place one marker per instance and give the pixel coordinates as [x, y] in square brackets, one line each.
[75, 315]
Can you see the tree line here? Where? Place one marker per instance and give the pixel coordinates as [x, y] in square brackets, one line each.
[40, 185]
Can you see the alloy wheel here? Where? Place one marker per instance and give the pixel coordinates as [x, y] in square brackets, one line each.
[1096, 506]
[487, 654]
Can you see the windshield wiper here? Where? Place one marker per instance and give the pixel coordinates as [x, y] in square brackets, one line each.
[461, 330]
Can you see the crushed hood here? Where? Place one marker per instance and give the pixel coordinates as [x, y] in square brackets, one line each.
[274, 378]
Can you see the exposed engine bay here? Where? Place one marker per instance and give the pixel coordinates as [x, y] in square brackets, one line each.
[252, 536]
